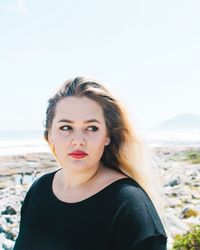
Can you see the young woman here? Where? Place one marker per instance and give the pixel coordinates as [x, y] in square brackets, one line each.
[99, 198]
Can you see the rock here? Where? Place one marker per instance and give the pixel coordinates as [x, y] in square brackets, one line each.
[191, 221]
[9, 210]
[196, 195]
[10, 235]
[9, 220]
[8, 244]
[188, 212]
[198, 208]
[180, 180]
[173, 202]
[1, 230]
[176, 225]
[174, 182]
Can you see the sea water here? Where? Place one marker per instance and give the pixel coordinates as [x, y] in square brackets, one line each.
[173, 138]
[20, 142]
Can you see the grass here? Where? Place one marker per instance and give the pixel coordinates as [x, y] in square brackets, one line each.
[188, 241]
[192, 156]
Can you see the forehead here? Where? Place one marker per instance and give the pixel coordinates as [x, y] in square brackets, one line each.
[78, 108]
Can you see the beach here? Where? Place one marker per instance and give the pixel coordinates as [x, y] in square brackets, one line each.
[180, 180]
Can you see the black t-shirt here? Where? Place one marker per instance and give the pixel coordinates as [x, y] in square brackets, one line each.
[119, 217]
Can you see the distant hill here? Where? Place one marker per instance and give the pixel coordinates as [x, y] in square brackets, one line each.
[186, 122]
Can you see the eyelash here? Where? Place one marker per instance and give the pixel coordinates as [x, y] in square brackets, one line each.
[94, 127]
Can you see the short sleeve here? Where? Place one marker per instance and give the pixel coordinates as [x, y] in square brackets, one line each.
[136, 219]
[153, 243]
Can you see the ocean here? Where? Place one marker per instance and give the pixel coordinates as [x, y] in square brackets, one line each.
[173, 138]
[21, 142]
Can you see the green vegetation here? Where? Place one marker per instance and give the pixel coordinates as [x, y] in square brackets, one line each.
[188, 241]
[190, 212]
[192, 156]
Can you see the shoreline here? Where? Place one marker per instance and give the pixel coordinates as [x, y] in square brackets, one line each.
[180, 187]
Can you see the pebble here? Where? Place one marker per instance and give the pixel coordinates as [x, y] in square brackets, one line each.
[9, 210]
[181, 190]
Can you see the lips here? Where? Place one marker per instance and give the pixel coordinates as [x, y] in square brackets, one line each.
[78, 154]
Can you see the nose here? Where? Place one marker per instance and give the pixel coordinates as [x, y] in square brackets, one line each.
[78, 140]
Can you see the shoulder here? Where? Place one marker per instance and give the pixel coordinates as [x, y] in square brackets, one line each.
[109, 176]
[136, 205]
[126, 188]
[31, 195]
[135, 213]
[131, 192]
[40, 182]
[133, 198]
[45, 177]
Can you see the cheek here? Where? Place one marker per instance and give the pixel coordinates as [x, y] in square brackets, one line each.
[98, 140]
[60, 143]
[60, 137]
[98, 145]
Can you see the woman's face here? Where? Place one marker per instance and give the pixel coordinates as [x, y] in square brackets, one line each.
[78, 124]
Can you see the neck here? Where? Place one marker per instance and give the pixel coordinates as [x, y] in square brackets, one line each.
[74, 180]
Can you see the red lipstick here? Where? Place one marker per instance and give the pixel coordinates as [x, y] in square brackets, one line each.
[78, 154]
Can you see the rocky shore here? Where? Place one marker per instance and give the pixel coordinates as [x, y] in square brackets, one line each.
[179, 171]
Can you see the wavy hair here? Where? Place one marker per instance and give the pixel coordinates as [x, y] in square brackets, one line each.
[126, 152]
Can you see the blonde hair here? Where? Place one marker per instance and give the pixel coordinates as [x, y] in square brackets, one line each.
[126, 152]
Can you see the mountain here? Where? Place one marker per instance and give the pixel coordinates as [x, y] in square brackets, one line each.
[183, 122]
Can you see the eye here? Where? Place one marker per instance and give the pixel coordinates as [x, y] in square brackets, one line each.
[92, 128]
[65, 128]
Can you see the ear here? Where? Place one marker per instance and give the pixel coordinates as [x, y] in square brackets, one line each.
[49, 136]
[107, 141]
[50, 139]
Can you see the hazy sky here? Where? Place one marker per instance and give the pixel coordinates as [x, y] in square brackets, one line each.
[146, 52]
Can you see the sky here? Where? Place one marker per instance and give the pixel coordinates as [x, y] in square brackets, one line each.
[146, 52]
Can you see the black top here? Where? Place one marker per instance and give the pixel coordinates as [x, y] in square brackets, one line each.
[119, 217]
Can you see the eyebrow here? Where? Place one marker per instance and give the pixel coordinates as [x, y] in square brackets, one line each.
[87, 121]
